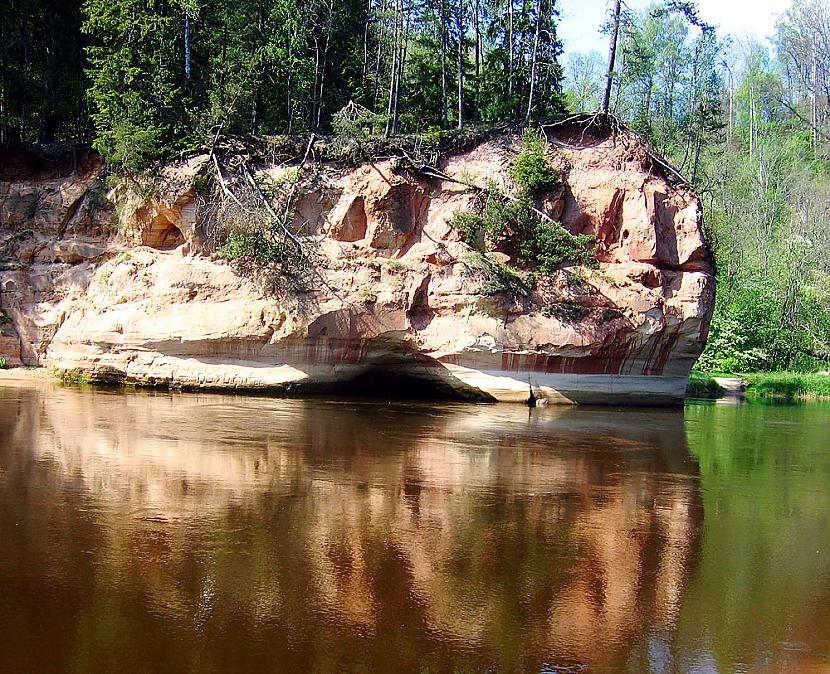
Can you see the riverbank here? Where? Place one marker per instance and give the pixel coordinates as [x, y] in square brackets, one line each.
[702, 385]
[771, 385]
[759, 385]
[13, 374]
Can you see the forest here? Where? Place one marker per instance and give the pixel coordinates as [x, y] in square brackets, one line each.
[747, 122]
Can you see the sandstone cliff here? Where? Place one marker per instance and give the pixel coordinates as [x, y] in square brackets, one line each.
[122, 285]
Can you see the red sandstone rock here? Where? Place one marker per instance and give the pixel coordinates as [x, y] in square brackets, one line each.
[127, 304]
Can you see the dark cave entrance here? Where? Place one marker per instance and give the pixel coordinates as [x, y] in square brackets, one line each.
[170, 238]
[390, 383]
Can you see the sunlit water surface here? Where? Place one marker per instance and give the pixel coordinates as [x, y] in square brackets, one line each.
[186, 532]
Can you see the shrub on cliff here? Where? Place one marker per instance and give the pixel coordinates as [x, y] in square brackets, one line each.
[249, 220]
[539, 241]
[264, 253]
[531, 169]
[499, 220]
[551, 246]
[497, 277]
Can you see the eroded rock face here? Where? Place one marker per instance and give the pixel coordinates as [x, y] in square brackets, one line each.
[145, 302]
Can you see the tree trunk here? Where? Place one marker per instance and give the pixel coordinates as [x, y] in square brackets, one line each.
[477, 29]
[187, 43]
[510, 49]
[731, 126]
[460, 69]
[393, 73]
[404, 47]
[444, 74]
[314, 102]
[533, 63]
[815, 101]
[612, 57]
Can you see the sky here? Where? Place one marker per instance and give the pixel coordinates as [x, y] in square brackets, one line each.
[581, 19]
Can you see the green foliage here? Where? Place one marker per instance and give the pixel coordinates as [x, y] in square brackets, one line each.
[470, 225]
[498, 277]
[250, 246]
[201, 183]
[369, 296]
[493, 221]
[4, 364]
[568, 311]
[432, 136]
[395, 266]
[742, 125]
[540, 242]
[137, 86]
[788, 385]
[72, 377]
[504, 219]
[42, 80]
[531, 169]
[551, 247]
[702, 385]
[356, 122]
[576, 280]
[104, 275]
[261, 247]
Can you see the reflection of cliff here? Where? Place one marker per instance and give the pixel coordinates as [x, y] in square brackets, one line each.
[339, 534]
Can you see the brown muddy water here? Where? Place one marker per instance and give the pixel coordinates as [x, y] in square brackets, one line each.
[207, 533]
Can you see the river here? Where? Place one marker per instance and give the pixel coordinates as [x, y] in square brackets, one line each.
[156, 531]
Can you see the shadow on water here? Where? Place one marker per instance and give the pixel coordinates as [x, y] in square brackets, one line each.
[164, 532]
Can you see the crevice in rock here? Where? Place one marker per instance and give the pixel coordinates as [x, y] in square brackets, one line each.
[70, 213]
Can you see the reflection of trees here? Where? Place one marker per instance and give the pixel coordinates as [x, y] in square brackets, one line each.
[757, 587]
[255, 530]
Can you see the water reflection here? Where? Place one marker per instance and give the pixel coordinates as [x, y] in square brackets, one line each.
[207, 533]
[759, 597]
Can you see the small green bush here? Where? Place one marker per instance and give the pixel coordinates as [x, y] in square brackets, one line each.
[432, 135]
[104, 275]
[368, 296]
[568, 311]
[576, 280]
[395, 266]
[703, 386]
[551, 246]
[496, 217]
[240, 245]
[73, 377]
[542, 242]
[4, 364]
[470, 225]
[201, 182]
[531, 169]
[499, 278]
[270, 257]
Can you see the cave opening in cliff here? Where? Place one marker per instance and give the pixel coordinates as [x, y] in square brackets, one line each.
[170, 238]
[162, 233]
[387, 383]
